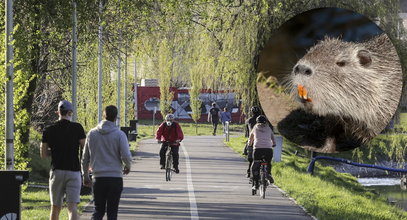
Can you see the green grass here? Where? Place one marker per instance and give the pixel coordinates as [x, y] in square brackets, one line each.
[327, 194]
[36, 204]
[147, 130]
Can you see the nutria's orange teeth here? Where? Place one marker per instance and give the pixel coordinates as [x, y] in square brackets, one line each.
[302, 93]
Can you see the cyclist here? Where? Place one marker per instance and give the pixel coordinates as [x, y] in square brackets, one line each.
[255, 111]
[262, 139]
[169, 131]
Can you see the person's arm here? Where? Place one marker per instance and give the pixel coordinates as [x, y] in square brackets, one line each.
[44, 150]
[82, 136]
[273, 139]
[246, 133]
[159, 132]
[209, 116]
[85, 163]
[251, 139]
[82, 142]
[125, 153]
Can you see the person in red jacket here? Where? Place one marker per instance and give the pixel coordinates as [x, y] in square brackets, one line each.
[169, 134]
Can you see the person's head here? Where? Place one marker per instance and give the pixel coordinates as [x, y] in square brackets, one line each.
[225, 109]
[261, 119]
[255, 110]
[110, 113]
[169, 119]
[214, 104]
[65, 110]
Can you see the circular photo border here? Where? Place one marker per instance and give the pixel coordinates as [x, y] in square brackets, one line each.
[330, 79]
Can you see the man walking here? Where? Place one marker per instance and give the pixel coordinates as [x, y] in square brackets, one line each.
[213, 116]
[61, 141]
[106, 149]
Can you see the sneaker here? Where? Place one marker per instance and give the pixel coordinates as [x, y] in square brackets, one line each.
[270, 179]
[256, 186]
[162, 167]
[176, 170]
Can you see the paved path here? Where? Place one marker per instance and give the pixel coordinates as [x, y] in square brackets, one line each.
[211, 185]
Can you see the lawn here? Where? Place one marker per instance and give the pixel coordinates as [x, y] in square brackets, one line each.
[327, 194]
[36, 205]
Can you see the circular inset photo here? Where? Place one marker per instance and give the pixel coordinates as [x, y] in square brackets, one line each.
[330, 79]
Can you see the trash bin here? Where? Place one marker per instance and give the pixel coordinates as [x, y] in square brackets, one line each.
[10, 191]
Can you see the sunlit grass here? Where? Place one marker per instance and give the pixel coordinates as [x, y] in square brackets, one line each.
[36, 204]
[327, 194]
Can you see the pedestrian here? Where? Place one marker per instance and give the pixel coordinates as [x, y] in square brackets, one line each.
[62, 141]
[249, 124]
[106, 149]
[213, 117]
[225, 116]
[169, 134]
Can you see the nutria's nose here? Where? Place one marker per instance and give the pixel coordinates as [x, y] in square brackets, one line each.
[302, 69]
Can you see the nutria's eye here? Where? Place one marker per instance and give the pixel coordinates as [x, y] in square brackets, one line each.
[341, 63]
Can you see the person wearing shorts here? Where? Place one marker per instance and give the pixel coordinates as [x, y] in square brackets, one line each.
[62, 141]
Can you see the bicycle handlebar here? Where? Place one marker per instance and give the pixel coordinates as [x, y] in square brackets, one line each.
[168, 142]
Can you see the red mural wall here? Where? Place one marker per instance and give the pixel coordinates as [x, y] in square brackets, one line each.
[149, 97]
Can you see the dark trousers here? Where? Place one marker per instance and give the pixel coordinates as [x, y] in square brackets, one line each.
[175, 155]
[106, 195]
[258, 154]
[215, 126]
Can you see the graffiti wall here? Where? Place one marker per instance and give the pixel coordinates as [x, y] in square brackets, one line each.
[148, 102]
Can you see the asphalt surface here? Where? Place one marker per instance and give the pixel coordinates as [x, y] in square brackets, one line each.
[211, 185]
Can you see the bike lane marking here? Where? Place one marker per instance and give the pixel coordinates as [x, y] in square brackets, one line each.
[191, 193]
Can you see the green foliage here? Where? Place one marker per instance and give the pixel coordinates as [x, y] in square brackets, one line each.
[193, 43]
[165, 72]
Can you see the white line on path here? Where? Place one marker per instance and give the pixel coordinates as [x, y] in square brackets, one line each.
[192, 201]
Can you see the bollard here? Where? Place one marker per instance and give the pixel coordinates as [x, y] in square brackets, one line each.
[227, 131]
[278, 149]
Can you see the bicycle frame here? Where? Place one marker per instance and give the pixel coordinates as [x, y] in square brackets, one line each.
[168, 161]
[262, 182]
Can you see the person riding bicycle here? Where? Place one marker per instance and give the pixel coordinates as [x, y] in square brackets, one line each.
[262, 139]
[169, 134]
[249, 124]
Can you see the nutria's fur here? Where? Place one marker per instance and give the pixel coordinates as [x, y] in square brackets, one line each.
[355, 86]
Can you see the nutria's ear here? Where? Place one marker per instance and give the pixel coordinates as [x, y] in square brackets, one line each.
[365, 59]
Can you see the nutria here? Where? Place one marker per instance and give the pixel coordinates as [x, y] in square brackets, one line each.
[355, 87]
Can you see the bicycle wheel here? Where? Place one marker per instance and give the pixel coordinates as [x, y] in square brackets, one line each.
[263, 185]
[168, 169]
[254, 191]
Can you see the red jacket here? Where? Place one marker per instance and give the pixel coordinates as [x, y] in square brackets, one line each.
[169, 133]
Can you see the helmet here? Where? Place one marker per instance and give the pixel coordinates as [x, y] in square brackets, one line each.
[169, 117]
[261, 119]
[255, 110]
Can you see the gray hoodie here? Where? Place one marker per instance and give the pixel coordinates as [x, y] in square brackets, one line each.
[106, 149]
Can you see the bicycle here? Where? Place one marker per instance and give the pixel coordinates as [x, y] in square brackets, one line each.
[168, 161]
[262, 182]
